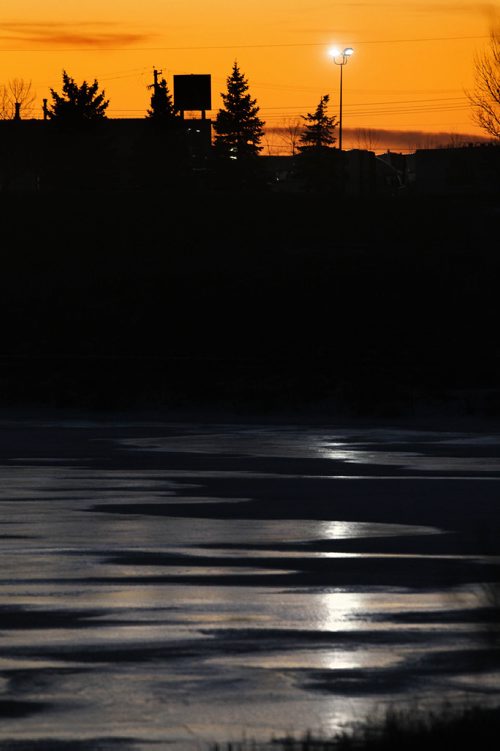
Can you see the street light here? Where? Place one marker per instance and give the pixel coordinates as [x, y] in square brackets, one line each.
[341, 58]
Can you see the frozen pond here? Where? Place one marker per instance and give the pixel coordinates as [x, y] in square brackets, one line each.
[173, 584]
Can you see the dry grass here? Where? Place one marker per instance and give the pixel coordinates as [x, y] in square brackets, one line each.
[472, 728]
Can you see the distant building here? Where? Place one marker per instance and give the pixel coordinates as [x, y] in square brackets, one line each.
[32, 152]
[360, 172]
[396, 173]
[116, 153]
[364, 174]
[467, 170]
[22, 146]
[141, 153]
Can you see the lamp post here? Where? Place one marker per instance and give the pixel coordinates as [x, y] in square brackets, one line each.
[340, 58]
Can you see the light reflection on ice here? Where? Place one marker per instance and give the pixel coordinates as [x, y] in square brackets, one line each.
[413, 461]
[321, 659]
[55, 557]
[346, 446]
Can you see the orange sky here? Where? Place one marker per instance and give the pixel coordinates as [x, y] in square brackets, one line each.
[413, 58]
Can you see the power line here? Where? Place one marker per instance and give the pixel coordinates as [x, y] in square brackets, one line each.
[98, 49]
[431, 100]
[413, 106]
[383, 103]
[403, 107]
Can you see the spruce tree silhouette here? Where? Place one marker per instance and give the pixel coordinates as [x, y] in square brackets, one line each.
[238, 133]
[318, 129]
[80, 153]
[162, 107]
[160, 158]
[317, 158]
[78, 105]
[238, 128]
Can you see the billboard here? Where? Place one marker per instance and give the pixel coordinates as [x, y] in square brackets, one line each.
[192, 92]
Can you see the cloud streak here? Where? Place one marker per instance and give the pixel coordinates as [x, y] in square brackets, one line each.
[439, 5]
[381, 139]
[489, 10]
[55, 34]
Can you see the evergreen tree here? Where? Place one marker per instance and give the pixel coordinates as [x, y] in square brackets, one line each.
[161, 158]
[80, 151]
[78, 105]
[162, 106]
[318, 163]
[238, 128]
[319, 127]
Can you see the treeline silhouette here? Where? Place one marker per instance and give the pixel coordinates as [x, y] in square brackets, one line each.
[249, 300]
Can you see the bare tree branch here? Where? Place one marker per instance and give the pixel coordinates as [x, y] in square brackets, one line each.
[290, 133]
[16, 92]
[485, 97]
[366, 138]
[5, 107]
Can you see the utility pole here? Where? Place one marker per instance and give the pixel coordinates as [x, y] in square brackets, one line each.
[155, 84]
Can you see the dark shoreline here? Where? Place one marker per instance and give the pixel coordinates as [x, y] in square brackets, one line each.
[251, 302]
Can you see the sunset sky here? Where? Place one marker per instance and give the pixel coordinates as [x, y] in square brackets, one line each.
[412, 61]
